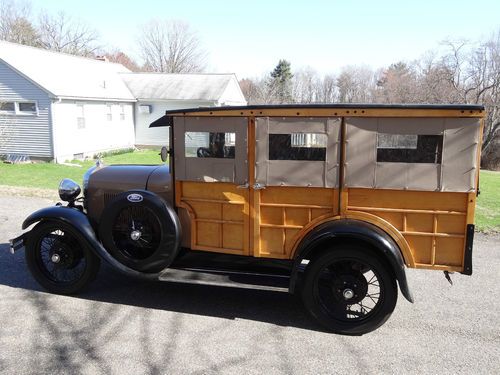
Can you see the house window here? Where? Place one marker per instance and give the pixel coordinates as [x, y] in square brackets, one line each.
[145, 108]
[18, 108]
[80, 116]
[28, 108]
[409, 148]
[298, 146]
[8, 107]
[122, 112]
[210, 145]
[109, 112]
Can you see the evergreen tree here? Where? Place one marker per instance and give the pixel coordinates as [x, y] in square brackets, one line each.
[280, 84]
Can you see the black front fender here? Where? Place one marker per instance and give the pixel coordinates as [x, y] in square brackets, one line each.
[356, 230]
[79, 221]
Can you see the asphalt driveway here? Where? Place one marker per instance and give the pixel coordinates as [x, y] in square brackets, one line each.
[122, 326]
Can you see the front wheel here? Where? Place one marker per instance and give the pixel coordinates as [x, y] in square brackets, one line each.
[349, 290]
[59, 259]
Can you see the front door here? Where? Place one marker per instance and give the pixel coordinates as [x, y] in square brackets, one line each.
[211, 173]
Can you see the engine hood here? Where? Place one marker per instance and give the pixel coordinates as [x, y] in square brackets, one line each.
[121, 177]
[107, 182]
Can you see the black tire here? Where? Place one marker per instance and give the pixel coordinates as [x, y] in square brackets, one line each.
[156, 225]
[77, 265]
[340, 290]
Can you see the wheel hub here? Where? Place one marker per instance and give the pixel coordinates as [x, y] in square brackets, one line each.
[350, 288]
[135, 235]
[55, 258]
[348, 294]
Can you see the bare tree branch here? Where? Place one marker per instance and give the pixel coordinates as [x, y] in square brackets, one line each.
[61, 33]
[15, 24]
[171, 47]
[120, 57]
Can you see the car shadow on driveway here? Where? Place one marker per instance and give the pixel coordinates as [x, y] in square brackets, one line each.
[277, 308]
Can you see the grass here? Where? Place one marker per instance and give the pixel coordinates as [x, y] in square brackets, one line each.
[48, 176]
[488, 202]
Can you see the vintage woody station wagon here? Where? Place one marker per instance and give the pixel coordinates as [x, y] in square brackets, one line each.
[331, 202]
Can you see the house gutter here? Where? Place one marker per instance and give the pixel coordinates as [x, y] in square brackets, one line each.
[62, 97]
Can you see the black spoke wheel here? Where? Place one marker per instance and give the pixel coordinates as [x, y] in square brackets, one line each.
[349, 290]
[143, 235]
[59, 258]
[136, 232]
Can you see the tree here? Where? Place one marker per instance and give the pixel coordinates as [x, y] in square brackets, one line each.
[171, 47]
[280, 84]
[327, 90]
[120, 57]
[250, 90]
[355, 84]
[473, 71]
[397, 84]
[15, 24]
[305, 86]
[61, 33]
[483, 87]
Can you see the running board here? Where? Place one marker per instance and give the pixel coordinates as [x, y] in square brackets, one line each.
[233, 279]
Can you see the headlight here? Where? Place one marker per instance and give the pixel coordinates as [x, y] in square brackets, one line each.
[68, 190]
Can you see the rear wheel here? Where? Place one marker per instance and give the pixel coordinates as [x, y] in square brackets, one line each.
[349, 290]
[59, 259]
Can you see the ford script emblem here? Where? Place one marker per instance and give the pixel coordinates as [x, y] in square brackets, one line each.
[134, 198]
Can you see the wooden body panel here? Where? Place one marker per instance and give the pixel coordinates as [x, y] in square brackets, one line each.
[219, 214]
[282, 213]
[433, 223]
[428, 226]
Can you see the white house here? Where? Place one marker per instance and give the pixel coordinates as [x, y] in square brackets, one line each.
[158, 92]
[56, 106]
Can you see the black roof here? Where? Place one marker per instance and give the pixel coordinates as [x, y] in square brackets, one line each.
[332, 106]
[167, 120]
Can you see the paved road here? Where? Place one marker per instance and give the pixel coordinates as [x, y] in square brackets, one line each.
[122, 326]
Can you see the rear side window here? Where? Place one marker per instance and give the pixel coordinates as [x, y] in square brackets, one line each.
[298, 146]
[210, 145]
[409, 148]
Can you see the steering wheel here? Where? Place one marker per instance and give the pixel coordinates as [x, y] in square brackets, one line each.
[203, 152]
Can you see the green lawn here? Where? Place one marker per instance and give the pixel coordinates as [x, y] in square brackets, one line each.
[48, 176]
[488, 202]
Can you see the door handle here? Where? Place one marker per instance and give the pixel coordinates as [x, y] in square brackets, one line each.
[258, 186]
[244, 186]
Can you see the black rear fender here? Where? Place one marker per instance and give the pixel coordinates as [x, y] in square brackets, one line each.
[347, 230]
[79, 221]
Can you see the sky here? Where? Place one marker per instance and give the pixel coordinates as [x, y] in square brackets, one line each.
[249, 37]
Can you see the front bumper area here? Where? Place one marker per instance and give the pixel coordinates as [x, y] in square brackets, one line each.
[17, 243]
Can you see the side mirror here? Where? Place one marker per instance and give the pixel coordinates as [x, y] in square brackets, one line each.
[163, 154]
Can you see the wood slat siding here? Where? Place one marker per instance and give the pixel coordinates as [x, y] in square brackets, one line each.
[25, 134]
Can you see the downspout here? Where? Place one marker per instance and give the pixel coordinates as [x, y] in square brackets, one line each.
[52, 126]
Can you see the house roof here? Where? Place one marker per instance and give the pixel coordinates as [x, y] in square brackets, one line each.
[67, 76]
[162, 86]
